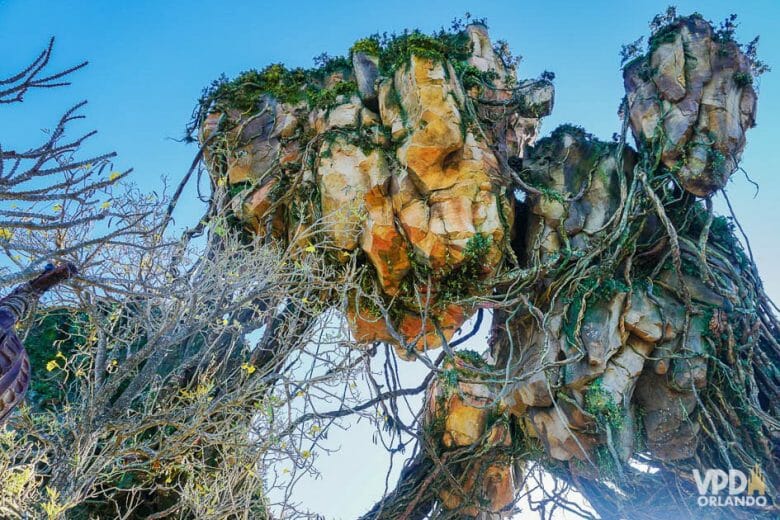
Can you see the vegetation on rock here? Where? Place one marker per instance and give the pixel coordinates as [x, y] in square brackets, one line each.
[402, 189]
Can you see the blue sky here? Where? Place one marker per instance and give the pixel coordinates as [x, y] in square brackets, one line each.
[149, 61]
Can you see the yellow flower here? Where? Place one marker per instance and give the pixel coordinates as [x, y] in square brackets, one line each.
[52, 508]
[305, 454]
[61, 356]
[249, 369]
[221, 182]
[105, 205]
[6, 234]
[310, 249]
[114, 176]
[202, 390]
[57, 207]
[305, 300]
[51, 365]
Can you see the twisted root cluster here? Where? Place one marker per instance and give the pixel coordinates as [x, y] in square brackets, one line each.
[632, 340]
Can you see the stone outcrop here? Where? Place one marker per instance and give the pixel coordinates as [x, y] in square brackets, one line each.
[627, 354]
[463, 411]
[574, 186]
[692, 100]
[398, 171]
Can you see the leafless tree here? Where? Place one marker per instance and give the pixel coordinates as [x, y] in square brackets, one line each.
[168, 406]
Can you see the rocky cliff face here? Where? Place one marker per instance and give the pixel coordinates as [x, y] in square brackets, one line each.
[618, 294]
[394, 170]
[692, 100]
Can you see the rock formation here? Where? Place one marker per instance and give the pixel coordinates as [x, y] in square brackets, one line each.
[634, 314]
[692, 102]
[394, 169]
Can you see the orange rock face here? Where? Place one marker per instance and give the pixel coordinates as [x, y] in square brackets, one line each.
[398, 177]
[489, 483]
[367, 326]
[465, 410]
[458, 414]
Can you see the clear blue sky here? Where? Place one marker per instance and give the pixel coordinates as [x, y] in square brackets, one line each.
[149, 61]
